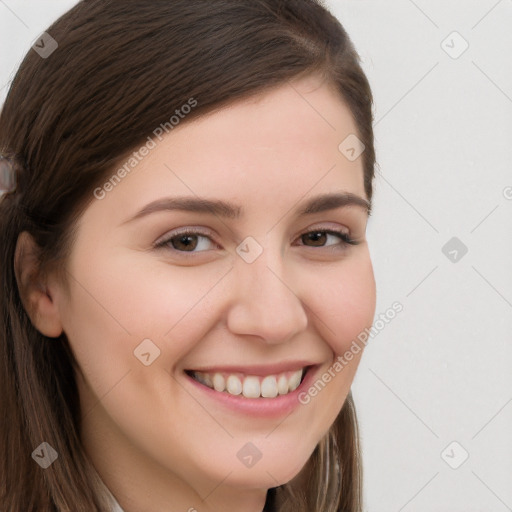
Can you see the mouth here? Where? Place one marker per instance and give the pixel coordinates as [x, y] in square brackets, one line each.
[251, 386]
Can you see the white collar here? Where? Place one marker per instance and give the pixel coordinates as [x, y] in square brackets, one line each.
[115, 505]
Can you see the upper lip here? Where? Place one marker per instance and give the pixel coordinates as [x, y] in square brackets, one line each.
[254, 369]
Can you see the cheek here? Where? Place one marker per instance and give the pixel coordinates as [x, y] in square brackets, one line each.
[120, 300]
[343, 300]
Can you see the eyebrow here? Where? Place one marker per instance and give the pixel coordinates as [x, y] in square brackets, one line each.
[227, 210]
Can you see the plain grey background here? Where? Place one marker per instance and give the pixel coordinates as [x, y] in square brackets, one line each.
[434, 388]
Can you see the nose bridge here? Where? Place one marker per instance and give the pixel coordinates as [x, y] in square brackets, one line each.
[266, 301]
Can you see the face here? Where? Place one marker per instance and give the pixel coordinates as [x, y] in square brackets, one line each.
[251, 294]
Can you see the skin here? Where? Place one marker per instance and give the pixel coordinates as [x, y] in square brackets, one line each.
[157, 442]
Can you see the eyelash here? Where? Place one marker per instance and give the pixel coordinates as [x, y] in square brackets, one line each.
[346, 240]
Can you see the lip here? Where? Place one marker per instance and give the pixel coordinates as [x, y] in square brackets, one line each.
[257, 370]
[258, 407]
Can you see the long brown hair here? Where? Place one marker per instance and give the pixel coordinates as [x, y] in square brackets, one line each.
[121, 69]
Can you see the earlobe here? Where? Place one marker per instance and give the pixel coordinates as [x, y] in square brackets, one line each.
[35, 295]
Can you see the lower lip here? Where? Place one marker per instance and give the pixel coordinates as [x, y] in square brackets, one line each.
[281, 405]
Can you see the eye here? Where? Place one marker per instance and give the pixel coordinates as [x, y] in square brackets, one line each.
[320, 237]
[187, 241]
[193, 241]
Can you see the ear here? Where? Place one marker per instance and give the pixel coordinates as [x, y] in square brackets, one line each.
[35, 295]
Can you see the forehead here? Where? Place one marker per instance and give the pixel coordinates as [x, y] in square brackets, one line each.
[279, 144]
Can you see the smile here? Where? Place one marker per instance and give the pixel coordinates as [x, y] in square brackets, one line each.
[251, 386]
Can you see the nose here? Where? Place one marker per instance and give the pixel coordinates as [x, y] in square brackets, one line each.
[265, 303]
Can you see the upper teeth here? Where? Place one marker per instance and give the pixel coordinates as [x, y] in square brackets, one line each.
[251, 386]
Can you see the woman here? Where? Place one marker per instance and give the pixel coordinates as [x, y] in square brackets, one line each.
[184, 260]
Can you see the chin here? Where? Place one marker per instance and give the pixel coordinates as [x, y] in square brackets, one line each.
[275, 472]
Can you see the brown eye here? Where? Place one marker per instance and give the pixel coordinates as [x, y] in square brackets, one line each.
[184, 242]
[317, 237]
[187, 241]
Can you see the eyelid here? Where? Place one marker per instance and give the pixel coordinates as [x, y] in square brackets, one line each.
[326, 226]
[199, 230]
[323, 226]
[196, 230]
[342, 232]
